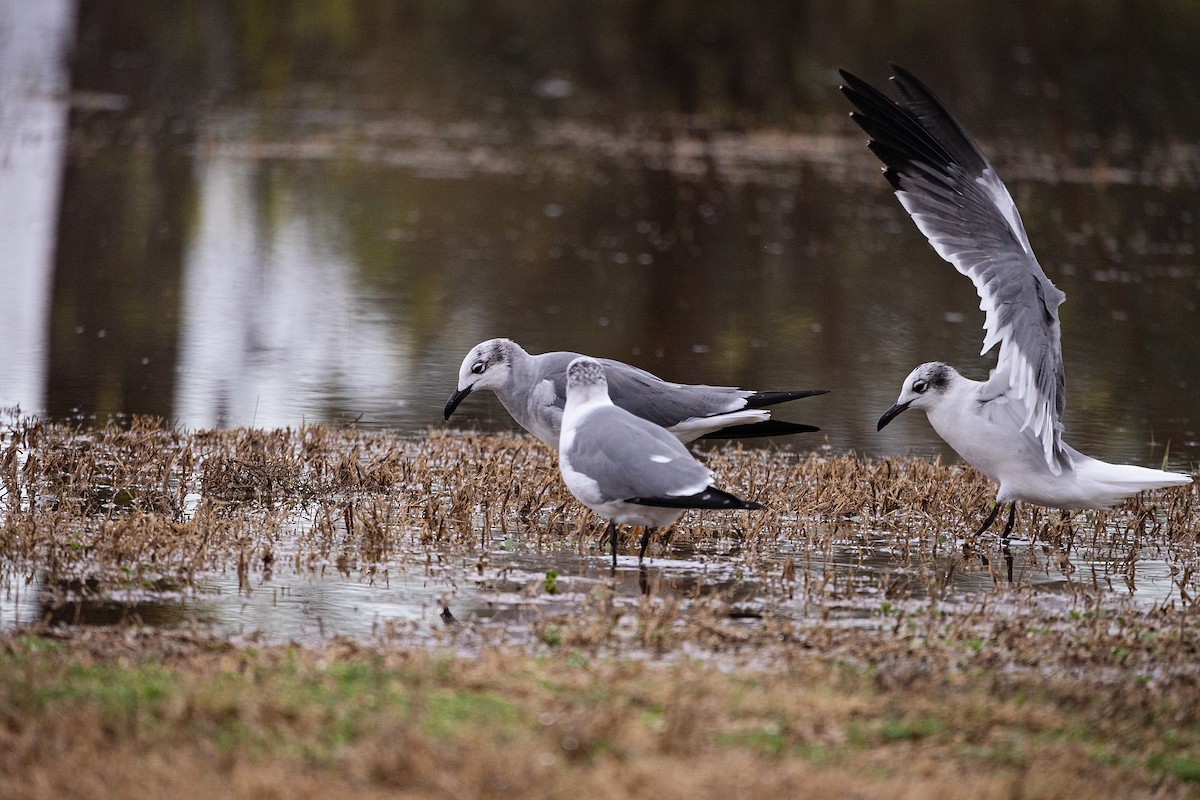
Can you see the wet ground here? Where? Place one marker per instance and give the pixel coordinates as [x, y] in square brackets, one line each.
[505, 596]
[316, 534]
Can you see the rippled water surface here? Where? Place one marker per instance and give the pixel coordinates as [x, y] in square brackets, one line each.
[514, 590]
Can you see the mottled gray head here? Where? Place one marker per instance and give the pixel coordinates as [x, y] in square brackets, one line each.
[923, 388]
[487, 366]
[584, 373]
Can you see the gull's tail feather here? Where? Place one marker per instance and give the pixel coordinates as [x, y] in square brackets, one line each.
[1118, 481]
[695, 427]
[749, 421]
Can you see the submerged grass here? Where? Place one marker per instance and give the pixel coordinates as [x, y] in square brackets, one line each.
[851, 643]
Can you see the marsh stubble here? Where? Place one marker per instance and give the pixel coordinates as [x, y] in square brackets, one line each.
[846, 636]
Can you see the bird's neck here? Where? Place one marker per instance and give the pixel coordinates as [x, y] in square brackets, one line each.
[952, 416]
[520, 373]
[583, 399]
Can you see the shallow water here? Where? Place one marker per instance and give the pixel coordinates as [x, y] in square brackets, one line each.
[871, 580]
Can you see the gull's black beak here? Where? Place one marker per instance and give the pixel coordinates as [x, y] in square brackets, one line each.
[455, 399]
[887, 417]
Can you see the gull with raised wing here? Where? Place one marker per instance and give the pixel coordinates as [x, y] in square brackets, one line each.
[533, 388]
[1009, 427]
[627, 468]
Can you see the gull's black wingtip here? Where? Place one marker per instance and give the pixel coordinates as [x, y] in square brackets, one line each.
[901, 73]
[852, 85]
[709, 498]
[763, 399]
[848, 78]
[757, 430]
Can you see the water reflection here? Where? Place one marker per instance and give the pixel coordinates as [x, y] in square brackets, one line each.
[230, 229]
[33, 142]
[274, 330]
[868, 579]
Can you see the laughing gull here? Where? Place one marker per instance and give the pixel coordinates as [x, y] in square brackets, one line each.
[1009, 427]
[627, 468]
[534, 390]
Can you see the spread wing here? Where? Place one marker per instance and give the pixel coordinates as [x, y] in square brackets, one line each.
[956, 199]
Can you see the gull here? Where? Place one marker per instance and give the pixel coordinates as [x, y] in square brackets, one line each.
[627, 468]
[1009, 427]
[533, 388]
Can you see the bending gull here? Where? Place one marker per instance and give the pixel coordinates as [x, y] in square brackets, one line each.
[627, 468]
[1009, 427]
[533, 388]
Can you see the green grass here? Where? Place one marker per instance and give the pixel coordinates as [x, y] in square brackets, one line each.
[767, 740]
[507, 713]
[449, 713]
[1182, 767]
[113, 690]
[896, 729]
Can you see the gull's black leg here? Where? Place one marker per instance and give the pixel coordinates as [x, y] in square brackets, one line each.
[610, 535]
[1008, 526]
[987, 523]
[1066, 519]
[645, 541]
[1004, 548]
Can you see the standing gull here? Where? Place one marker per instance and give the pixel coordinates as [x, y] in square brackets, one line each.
[627, 468]
[534, 390]
[1009, 427]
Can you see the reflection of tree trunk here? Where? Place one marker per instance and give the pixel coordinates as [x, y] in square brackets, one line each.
[126, 198]
[115, 303]
[33, 143]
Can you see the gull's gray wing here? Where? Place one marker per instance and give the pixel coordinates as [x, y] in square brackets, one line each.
[537, 393]
[956, 199]
[629, 457]
[648, 396]
[665, 403]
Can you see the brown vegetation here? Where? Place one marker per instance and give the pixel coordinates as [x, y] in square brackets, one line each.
[847, 641]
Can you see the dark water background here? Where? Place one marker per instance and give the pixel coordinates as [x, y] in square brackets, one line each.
[243, 213]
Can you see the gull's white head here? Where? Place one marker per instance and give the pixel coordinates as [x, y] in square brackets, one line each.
[924, 388]
[487, 366]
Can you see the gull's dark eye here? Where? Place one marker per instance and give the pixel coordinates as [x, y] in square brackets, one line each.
[920, 386]
[479, 367]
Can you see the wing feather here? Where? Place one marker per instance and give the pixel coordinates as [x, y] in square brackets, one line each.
[957, 201]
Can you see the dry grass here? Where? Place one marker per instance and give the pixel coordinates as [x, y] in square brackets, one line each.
[852, 643]
[140, 714]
